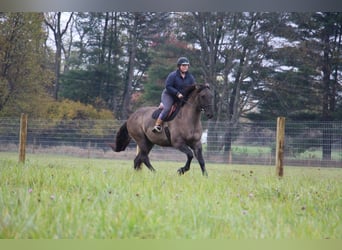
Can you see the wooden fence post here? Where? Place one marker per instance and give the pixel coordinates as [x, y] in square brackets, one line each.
[280, 146]
[22, 138]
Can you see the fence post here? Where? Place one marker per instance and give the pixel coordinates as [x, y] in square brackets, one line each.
[280, 146]
[22, 137]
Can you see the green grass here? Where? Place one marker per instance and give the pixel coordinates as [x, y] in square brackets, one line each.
[266, 151]
[53, 197]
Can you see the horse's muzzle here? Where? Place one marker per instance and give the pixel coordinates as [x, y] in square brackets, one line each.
[208, 111]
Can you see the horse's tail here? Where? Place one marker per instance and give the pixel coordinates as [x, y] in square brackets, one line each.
[122, 139]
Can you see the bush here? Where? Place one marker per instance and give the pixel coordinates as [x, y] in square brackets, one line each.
[71, 110]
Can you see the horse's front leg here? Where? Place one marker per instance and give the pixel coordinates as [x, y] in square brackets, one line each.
[185, 149]
[199, 156]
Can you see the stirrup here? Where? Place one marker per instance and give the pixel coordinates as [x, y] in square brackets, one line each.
[157, 129]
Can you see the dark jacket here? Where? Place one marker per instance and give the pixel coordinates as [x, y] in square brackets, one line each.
[175, 83]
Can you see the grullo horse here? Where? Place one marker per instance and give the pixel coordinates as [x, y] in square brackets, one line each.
[183, 132]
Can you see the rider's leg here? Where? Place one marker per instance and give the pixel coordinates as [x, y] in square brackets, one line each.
[167, 102]
[158, 125]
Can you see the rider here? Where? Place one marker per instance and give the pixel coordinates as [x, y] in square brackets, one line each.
[175, 84]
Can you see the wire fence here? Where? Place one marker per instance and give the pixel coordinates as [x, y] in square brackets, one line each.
[306, 143]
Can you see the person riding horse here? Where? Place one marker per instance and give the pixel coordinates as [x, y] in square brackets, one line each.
[175, 85]
[183, 132]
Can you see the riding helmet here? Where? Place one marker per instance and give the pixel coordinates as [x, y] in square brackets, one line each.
[182, 60]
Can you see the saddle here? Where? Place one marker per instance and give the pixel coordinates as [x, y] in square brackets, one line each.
[171, 115]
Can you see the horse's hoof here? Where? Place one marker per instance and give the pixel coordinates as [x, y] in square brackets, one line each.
[180, 171]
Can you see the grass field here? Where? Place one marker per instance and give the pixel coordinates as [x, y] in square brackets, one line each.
[52, 197]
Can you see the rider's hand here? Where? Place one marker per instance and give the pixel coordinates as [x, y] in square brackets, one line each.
[179, 95]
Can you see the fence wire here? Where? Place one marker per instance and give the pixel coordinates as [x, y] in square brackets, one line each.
[306, 143]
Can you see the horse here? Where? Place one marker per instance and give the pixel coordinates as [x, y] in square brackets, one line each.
[183, 132]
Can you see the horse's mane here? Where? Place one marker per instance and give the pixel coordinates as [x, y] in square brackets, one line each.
[199, 87]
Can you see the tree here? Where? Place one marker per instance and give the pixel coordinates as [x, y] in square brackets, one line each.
[142, 31]
[305, 81]
[229, 51]
[24, 72]
[54, 21]
[112, 53]
[94, 75]
[329, 32]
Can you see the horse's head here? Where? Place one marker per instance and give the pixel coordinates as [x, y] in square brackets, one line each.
[204, 99]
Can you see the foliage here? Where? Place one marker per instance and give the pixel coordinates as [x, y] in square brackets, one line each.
[303, 84]
[260, 64]
[83, 86]
[111, 57]
[84, 199]
[269, 63]
[53, 20]
[92, 74]
[70, 110]
[25, 76]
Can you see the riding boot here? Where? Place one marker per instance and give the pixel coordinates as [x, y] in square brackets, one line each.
[158, 126]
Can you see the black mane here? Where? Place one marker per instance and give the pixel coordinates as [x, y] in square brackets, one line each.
[199, 87]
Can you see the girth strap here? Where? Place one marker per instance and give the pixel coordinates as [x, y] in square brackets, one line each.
[168, 135]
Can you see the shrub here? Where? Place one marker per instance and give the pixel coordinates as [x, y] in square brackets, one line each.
[71, 110]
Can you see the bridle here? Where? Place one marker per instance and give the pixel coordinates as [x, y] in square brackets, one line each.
[204, 107]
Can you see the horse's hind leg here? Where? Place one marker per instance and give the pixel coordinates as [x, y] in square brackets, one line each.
[137, 163]
[137, 160]
[142, 157]
[185, 149]
[146, 161]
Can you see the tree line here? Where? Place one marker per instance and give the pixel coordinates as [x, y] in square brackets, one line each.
[259, 65]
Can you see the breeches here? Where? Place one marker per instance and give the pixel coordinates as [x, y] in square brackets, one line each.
[167, 101]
